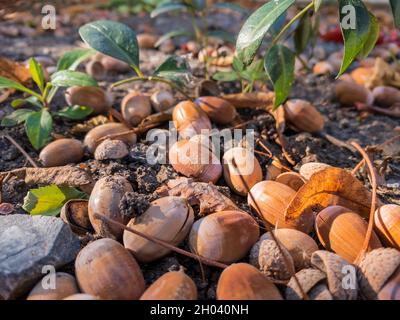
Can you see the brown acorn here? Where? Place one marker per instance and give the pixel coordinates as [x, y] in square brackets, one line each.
[75, 213]
[218, 110]
[94, 97]
[387, 224]
[304, 116]
[386, 96]
[61, 152]
[65, 285]
[135, 107]
[348, 93]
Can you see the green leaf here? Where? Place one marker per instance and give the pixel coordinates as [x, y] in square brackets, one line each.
[17, 117]
[38, 126]
[303, 34]
[48, 201]
[224, 35]
[225, 76]
[317, 5]
[37, 73]
[278, 25]
[230, 6]
[68, 78]
[113, 39]
[72, 59]
[279, 64]
[373, 35]
[198, 5]
[173, 34]
[174, 68]
[395, 4]
[355, 30]
[237, 65]
[6, 83]
[256, 26]
[75, 112]
[167, 7]
[255, 71]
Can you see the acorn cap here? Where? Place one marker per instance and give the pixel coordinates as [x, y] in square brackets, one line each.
[308, 279]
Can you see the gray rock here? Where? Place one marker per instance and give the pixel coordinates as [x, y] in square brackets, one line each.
[27, 243]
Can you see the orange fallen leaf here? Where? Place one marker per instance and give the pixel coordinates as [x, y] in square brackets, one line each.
[14, 70]
[329, 187]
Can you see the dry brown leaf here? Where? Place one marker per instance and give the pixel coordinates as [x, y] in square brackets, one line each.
[251, 99]
[389, 148]
[329, 187]
[14, 70]
[383, 75]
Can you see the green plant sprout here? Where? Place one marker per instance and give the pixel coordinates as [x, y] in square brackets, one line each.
[38, 120]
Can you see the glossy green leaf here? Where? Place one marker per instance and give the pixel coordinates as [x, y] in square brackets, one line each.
[373, 35]
[75, 112]
[49, 200]
[303, 34]
[174, 68]
[255, 71]
[173, 34]
[167, 7]
[225, 76]
[279, 64]
[72, 59]
[355, 25]
[69, 78]
[224, 35]
[37, 73]
[395, 4]
[278, 25]
[256, 26]
[237, 65]
[17, 117]
[6, 83]
[113, 39]
[38, 126]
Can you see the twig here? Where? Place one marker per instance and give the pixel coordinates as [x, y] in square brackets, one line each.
[358, 166]
[337, 142]
[26, 155]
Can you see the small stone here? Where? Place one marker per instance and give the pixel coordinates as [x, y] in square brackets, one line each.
[111, 149]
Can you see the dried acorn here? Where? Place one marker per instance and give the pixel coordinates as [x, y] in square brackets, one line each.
[304, 116]
[94, 97]
[135, 107]
[75, 213]
[61, 152]
[218, 110]
[387, 224]
[65, 285]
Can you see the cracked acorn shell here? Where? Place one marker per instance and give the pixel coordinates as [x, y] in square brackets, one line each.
[292, 179]
[65, 285]
[308, 169]
[247, 168]
[242, 281]
[135, 107]
[189, 119]
[104, 200]
[304, 116]
[218, 110]
[343, 232]
[224, 236]
[273, 198]
[94, 97]
[61, 152]
[105, 269]
[387, 224]
[194, 160]
[75, 213]
[173, 285]
[168, 218]
[91, 140]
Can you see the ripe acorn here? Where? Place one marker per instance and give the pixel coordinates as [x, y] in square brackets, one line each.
[343, 232]
[65, 285]
[387, 224]
[218, 110]
[94, 97]
[386, 96]
[168, 219]
[81, 296]
[292, 179]
[308, 169]
[224, 236]
[189, 119]
[75, 213]
[61, 152]
[173, 285]
[162, 100]
[247, 168]
[194, 160]
[304, 116]
[114, 65]
[348, 93]
[135, 107]
[242, 281]
[94, 135]
[361, 75]
[104, 200]
[96, 70]
[146, 40]
[273, 198]
[111, 149]
[105, 269]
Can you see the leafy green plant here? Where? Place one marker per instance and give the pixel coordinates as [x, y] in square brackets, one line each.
[120, 42]
[198, 10]
[38, 119]
[279, 59]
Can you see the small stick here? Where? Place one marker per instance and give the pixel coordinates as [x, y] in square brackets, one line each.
[337, 142]
[137, 130]
[26, 155]
[358, 166]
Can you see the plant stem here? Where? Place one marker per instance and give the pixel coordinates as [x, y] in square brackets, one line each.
[137, 70]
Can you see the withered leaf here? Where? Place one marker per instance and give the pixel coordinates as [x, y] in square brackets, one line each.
[329, 187]
[14, 70]
[251, 100]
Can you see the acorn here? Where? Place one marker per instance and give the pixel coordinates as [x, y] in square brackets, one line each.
[173, 285]
[247, 168]
[135, 107]
[162, 100]
[96, 70]
[81, 296]
[242, 281]
[190, 120]
[218, 110]
[386, 96]
[343, 232]
[94, 135]
[111, 149]
[348, 93]
[75, 213]
[194, 160]
[304, 116]
[292, 179]
[105, 269]
[114, 65]
[273, 198]
[61, 152]
[308, 169]
[64, 286]
[94, 97]
[224, 236]
[146, 40]
[387, 224]
[168, 219]
[104, 200]
[361, 75]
